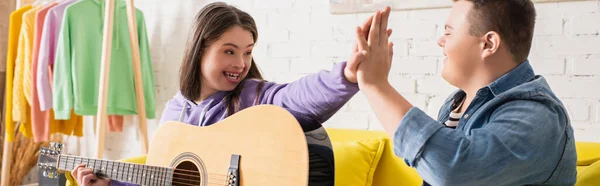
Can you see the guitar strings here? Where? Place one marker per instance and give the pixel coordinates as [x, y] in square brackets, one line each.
[193, 183]
[196, 184]
[126, 174]
[159, 179]
[220, 177]
[159, 170]
[178, 180]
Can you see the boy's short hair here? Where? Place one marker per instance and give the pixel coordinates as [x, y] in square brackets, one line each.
[514, 20]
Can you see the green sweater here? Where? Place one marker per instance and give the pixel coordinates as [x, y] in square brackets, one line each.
[78, 60]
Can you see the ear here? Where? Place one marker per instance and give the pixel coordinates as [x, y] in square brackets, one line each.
[490, 44]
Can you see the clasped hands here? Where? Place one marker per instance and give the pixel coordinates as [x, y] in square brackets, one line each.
[371, 58]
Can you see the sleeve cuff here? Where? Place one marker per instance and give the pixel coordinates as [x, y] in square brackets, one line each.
[118, 183]
[410, 137]
[62, 114]
[151, 113]
[338, 71]
[45, 105]
[115, 183]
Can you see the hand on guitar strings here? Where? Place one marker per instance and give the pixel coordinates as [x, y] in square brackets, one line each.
[86, 177]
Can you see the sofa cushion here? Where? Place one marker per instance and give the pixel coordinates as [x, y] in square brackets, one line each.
[356, 161]
[588, 175]
[391, 170]
[587, 153]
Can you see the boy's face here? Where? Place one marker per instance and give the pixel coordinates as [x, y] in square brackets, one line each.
[462, 50]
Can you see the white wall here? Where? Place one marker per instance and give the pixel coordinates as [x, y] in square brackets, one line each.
[297, 37]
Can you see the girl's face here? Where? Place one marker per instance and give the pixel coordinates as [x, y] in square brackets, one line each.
[225, 62]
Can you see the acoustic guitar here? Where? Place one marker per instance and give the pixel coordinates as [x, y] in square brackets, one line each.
[258, 146]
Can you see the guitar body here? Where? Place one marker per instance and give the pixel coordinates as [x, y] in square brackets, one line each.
[270, 143]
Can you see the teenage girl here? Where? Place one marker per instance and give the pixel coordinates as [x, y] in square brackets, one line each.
[218, 77]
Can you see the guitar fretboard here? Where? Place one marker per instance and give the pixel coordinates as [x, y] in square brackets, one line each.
[125, 172]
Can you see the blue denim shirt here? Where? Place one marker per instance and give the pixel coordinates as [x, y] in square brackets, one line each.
[515, 132]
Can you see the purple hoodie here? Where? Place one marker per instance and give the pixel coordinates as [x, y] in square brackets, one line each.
[312, 99]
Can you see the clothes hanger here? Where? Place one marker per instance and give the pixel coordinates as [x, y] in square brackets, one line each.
[41, 2]
[37, 3]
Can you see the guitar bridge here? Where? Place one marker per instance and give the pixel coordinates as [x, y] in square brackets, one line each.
[233, 172]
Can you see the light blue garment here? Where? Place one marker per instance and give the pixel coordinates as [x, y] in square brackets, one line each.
[515, 132]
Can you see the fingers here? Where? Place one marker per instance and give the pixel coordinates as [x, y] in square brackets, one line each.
[362, 44]
[374, 32]
[367, 22]
[84, 173]
[366, 26]
[89, 178]
[384, 22]
[355, 60]
[391, 49]
[75, 171]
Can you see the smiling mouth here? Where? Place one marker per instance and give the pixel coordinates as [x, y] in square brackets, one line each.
[232, 76]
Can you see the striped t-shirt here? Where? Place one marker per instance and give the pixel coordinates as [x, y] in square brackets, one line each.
[454, 117]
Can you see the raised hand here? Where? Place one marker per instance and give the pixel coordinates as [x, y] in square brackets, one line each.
[375, 65]
[356, 58]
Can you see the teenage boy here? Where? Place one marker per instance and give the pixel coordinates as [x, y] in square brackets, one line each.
[504, 126]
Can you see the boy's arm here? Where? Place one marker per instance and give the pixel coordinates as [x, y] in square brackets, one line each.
[506, 151]
[511, 149]
[372, 74]
[491, 154]
[388, 105]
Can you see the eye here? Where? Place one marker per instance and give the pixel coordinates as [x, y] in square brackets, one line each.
[446, 34]
[230, 52]
[249, 53]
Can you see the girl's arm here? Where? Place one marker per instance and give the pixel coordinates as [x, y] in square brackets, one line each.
[312, 99]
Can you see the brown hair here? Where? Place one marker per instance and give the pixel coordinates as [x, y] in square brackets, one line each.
[212, 21]
[514, 20]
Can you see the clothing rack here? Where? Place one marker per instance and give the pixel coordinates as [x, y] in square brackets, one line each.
[104, 72]
[7, 150]
[101, 118]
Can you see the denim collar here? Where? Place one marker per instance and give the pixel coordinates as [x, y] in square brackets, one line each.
[517, 76]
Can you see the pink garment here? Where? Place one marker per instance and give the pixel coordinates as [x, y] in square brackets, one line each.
[52, 21]
[40, 120]
[115, 123]
[47, 50]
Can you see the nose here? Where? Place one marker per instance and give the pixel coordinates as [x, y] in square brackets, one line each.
[238, 63]
[441, 41]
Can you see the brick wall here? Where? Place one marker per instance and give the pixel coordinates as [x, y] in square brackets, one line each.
[297, 37]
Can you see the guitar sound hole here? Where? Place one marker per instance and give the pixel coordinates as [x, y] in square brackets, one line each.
[186, 173]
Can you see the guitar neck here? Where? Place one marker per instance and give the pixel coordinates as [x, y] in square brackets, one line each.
[121, 171]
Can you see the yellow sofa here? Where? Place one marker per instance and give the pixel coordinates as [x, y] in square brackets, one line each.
[391, 170]
[366, 158]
